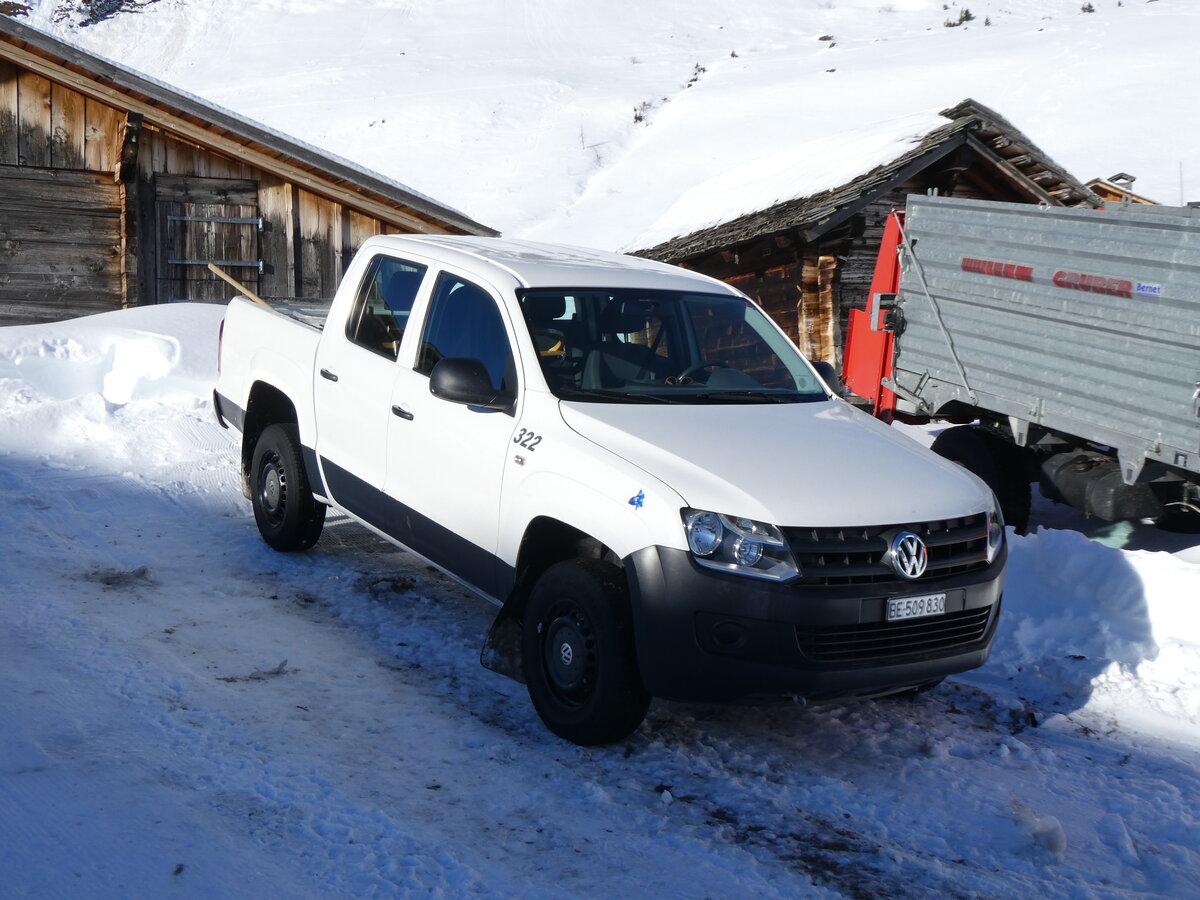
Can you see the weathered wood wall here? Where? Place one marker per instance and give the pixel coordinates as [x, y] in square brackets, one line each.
[84, 229]
[59, 244]
[48, 126]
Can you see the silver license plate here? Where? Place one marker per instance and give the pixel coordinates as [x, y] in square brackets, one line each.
[916, 607]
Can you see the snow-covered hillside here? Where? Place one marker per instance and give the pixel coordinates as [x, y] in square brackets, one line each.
[524, 113]
[187, 713]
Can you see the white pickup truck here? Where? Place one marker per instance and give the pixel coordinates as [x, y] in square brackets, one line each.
[632, 461]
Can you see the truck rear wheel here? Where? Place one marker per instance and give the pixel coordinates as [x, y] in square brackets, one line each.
[998, 463]
[578, 654]
[288, 516]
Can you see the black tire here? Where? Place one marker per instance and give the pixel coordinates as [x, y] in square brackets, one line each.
[578, 654]
[288, 517]
[1179, 519]
[1001, 465]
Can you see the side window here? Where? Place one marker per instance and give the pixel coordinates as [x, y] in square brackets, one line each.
[384, 302]
[463, 321]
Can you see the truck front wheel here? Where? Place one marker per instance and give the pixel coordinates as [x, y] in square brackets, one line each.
[578, 654]
[288, 516]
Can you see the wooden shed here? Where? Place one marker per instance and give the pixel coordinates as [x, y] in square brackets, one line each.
[809, 260]
[116, 190]
[1118, 189]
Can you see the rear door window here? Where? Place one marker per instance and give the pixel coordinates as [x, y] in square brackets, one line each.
[384, 303]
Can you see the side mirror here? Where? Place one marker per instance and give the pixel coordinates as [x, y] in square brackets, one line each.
[830, 376]
[466, 381]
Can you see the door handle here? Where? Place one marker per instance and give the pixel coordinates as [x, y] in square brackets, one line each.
[402, 413]
[329, 376]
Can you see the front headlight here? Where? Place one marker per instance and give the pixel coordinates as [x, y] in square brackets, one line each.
[740, 546]
[995, 534]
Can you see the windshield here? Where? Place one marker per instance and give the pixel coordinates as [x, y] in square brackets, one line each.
[624, 346]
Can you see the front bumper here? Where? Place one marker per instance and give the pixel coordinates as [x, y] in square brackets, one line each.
[704, 635]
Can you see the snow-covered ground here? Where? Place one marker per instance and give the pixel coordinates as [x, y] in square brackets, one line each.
[187, 713]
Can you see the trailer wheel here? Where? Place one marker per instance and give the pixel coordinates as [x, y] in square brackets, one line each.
[578, 653]
[288, 516]
[1180, 518]
[1000, 464]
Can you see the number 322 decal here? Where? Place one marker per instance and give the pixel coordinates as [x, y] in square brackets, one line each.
[527, 439]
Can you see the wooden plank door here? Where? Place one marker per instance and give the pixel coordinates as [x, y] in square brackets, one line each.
[202, 220]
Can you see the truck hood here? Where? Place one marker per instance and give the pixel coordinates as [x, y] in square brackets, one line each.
[798, 464]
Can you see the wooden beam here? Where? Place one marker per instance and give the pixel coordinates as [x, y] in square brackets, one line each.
[125, 172]
[1010, 175]
[8, 113]
[237, 285]
[68, 128]
[37, 188]
[101, 139]
[127, 148]
[33, 120]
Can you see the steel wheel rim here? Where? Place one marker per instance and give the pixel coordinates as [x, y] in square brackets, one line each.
[273, 488]
[569, 654]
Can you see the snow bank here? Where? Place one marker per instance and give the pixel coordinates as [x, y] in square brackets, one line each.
[152, 352]
[118, 391]
[1117, 631]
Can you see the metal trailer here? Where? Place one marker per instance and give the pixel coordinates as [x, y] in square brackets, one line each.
[1073, 334]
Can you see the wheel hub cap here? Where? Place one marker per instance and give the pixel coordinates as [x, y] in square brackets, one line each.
[271, 488]
[565, 654]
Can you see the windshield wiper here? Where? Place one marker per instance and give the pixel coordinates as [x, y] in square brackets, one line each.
[752, 396]
[607, 396]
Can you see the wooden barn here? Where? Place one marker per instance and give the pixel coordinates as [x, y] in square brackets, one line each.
[116, 191]
[809, 260]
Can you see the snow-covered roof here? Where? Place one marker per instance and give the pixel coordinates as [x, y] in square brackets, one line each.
[815, 185]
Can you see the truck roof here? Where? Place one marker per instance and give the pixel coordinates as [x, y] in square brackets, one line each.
[537, 264]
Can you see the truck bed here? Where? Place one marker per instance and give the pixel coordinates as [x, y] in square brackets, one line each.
[308, 312]
[1083, 321]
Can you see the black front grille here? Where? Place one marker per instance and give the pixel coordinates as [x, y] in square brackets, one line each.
[874, 641]
[840, 556]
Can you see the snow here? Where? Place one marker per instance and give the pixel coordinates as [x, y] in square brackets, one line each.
[188, 713]
[521, 113]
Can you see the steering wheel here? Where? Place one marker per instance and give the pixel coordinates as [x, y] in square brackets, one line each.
[553, 343]
[692, 370]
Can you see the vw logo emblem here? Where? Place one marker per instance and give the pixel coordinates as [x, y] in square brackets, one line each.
[566, 653]
[908, 555]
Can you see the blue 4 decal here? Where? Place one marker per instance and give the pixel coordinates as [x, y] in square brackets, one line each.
[638, 501]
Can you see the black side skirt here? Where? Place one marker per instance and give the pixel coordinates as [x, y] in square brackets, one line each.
[466, 561]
